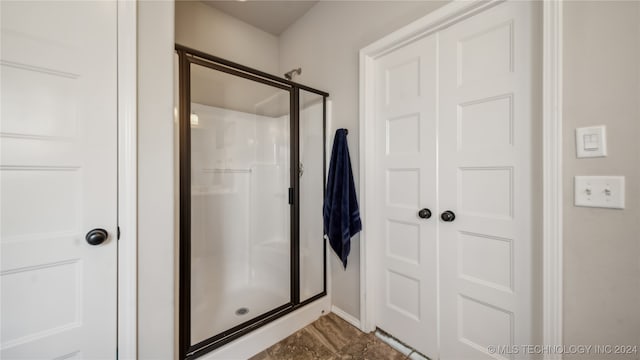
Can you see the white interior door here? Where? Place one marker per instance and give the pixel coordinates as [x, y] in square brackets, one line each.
[59, 179]
[486, 115]
[406, 149]
[454, 134]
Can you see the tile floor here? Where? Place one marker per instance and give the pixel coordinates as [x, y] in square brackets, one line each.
[331, 338]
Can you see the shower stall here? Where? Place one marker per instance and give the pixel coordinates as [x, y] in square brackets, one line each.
[252, 171]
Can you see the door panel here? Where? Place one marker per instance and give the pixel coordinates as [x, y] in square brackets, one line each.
[454, 115]
[58, 173]
[485, 178]
[240, 215]
[405, 125]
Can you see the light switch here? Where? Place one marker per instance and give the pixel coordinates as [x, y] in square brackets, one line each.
[599, 191]
[591, 142]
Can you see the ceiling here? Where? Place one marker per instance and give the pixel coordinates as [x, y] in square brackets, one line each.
[271, 16]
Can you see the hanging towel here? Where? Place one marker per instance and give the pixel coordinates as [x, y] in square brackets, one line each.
[341, 213]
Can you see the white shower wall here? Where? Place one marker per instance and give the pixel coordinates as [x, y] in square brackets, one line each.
[240, 217]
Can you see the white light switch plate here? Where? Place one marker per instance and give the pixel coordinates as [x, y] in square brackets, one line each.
[599, 191]
[591, 141]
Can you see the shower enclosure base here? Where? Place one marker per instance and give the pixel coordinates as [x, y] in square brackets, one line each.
[262, 338]
[229, 310]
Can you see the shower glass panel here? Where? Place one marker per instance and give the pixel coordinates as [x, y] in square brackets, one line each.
[240, 212]
[311, 112]
[252, 176]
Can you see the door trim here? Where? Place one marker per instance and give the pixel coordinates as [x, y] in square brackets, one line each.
[552, 155]
[552, 206]
[127, 180]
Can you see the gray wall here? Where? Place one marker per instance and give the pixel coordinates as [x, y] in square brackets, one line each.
[208, 29]
[325, 42]
[602, 247]
[155, 181]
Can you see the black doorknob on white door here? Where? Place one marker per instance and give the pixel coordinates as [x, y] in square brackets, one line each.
[96, 236]
[448, 216]
[424, 213]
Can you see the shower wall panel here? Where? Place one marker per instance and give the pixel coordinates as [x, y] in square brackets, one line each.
[239, 216]
[311, 195]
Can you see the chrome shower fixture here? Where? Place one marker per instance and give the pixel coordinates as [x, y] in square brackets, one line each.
[289, 75]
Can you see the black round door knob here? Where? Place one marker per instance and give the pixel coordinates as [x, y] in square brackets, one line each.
[424, 213]
[96, 236]
[448, 216]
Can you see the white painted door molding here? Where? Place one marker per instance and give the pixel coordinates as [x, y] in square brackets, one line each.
[127, 180]
[552, 154]
[552, 175]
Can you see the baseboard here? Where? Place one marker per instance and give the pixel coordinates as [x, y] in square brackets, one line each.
[346, 316]
[256, 341]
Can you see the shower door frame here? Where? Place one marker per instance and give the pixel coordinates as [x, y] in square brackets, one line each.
[186, 57]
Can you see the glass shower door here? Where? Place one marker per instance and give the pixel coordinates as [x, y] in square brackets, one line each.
[311, 155]
[252, 170]
[240, 214]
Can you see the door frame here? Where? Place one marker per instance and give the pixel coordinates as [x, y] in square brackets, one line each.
[127, 317]
[445, 16]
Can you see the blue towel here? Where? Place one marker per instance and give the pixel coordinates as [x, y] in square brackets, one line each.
[341, 212]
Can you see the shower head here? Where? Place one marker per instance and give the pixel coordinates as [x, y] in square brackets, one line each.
[289, 75]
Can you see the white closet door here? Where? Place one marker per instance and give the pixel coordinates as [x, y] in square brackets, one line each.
[485, 138]
[59, 179]
[405, 125]
[454, 132]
